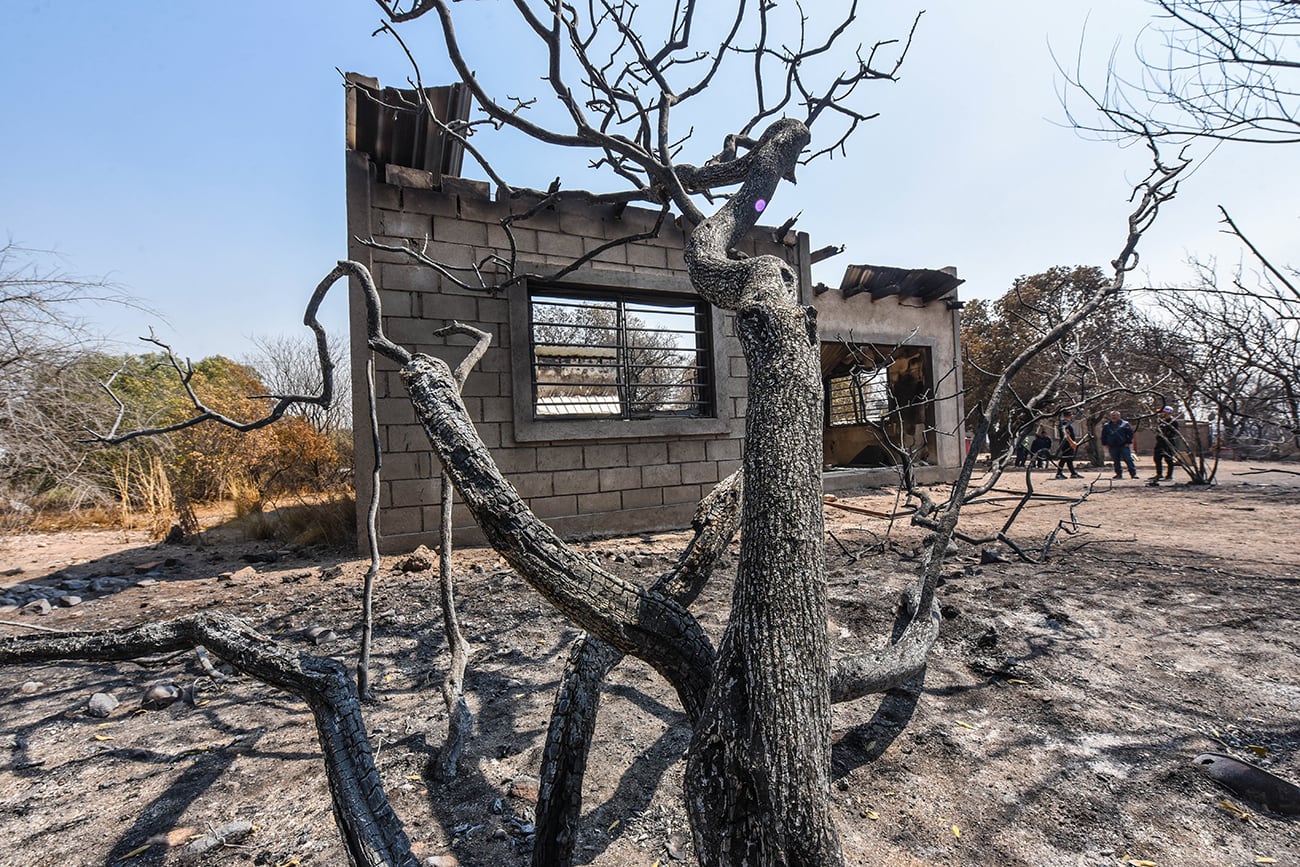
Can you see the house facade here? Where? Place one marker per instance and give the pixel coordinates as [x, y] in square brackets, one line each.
[612, 397]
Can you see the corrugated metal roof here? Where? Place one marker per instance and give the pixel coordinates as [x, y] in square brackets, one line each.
[882, 281]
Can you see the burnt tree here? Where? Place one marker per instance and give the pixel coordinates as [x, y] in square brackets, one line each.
[758, 765]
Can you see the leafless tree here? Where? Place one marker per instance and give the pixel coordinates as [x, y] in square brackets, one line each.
[1216, 69]
[758, 766]
[47, 367]
[292, 366]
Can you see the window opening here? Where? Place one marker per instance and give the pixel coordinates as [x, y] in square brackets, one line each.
[859, 397]
[619, 357]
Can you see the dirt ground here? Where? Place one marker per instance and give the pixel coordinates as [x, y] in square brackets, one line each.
[1056, 724]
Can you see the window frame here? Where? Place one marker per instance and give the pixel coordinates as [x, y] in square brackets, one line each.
[718, 418]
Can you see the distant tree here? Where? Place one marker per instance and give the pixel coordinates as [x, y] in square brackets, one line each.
[1095, 361]
[288, 365]
[50, 363]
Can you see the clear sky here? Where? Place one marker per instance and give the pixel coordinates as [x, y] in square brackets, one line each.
[193, 152]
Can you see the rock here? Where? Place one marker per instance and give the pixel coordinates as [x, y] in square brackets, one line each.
[676, 847]
[9, 573]
[260, 557]
[525, 788]
[321, 634]
[419, 560]
[143, 568]
[109, 584]
[101, 704]
[248, 573]
[146, 582]
[31, 687]
[447, 860]
[9, 601]
[160, 695]
[949, 612]
[231, 833]
[69, 601]
[74, 584]
[992, 554]
[37, 606]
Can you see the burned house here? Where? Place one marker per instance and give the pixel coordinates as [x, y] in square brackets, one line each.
[612, 397]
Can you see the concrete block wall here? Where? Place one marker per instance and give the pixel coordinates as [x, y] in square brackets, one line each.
[588, 477]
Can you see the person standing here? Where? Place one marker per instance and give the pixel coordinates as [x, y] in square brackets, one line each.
[1041, 448]
[1117, 435]
[1166, 442]
[1069, 443]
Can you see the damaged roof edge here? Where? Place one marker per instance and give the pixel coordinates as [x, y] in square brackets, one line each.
[882, 281]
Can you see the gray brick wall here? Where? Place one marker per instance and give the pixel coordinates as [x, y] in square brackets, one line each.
[583, 478]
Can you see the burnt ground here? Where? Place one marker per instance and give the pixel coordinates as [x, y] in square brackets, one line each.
[1056, 724]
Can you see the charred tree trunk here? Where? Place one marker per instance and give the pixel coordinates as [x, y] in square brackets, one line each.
[758, 770]
[372, 833]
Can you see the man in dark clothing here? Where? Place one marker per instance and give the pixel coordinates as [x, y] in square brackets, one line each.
[1069, 442]
[1041, 448]
[1117, 435]
[1166, 442]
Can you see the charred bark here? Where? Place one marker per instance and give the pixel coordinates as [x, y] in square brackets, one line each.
[758, 770]
[372, 833]
[629, 618]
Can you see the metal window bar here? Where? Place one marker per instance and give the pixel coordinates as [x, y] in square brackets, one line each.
[622, 384]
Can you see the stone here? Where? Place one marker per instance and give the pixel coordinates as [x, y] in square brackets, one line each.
[31, 687]
[101, 704]
[69, 601]
[109, 584]
[75, 584]
[992, 554]
[321, 634]
[37, 606]
[248, 573]
[525, 788]
[159, 695]
[146, 582]
[419, 560]
[445, 860]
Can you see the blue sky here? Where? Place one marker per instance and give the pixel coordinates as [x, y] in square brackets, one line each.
[193, 153]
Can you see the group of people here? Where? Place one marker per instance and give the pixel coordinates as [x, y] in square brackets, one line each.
[1116, 436]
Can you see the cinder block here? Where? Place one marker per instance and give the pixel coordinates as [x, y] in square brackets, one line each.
[560, 244]
[554, 507]
[643, 498]
[531, 485]
[576, 481]
[616, 255]
[398, 521]
[402, 224]
[406, 276]
[431, 202]
[726, 468]
[647, 256]
[682, 494]
[386, 196]
[395, 410]
[610, 501]
[596, 457]
[465, 232]
[404, 176]
[406, 438]
[738, 367]
[723, 450]
[661, 475]
[516, 460]
[490, 433]
[497, 409]
[559, 458]
[620, 478]
[705, 472]
[415, 492]
[686, 451]
[525, 238]
[445, 307]
[644, 454]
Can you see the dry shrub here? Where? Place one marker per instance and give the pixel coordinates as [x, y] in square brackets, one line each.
[329, 521]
